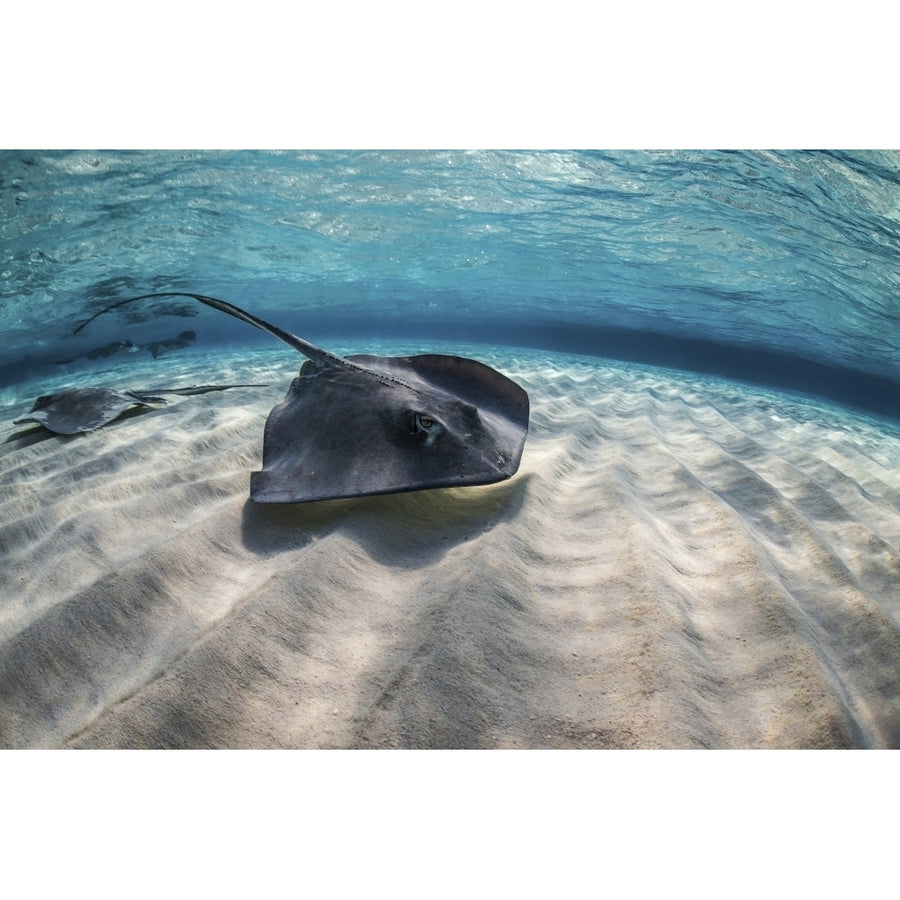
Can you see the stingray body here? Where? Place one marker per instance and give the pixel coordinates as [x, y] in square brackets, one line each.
[361, 425]
[107, 350]
[78, 410]
[158, 348]
[394, 424]
[116, 348]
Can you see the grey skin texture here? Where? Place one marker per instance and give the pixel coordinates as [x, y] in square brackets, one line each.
[360, 425]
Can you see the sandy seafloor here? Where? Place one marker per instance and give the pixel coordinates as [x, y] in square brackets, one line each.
[680, 562]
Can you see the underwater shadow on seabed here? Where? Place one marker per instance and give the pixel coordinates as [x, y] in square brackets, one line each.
[340, 577]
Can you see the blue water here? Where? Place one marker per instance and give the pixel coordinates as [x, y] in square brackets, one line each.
[780, 268]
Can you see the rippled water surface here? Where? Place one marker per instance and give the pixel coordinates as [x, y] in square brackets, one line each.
[768, 266]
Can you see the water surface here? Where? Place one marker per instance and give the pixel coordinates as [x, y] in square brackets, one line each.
[772, 267]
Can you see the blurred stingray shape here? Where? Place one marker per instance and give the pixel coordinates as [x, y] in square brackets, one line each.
[116, 348]
[113, 349]
[362, 425]
[77, 410]
[158, 348]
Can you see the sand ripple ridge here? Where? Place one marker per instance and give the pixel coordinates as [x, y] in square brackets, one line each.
[679, 562]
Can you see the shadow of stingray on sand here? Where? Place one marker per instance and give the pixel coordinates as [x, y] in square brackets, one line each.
[408, 530]
[26, 437]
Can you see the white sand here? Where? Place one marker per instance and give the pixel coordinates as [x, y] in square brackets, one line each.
[679, 563]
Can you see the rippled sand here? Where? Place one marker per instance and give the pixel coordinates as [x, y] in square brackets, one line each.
[679, 563]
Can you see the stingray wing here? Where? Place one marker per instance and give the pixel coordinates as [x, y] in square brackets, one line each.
[396, 424]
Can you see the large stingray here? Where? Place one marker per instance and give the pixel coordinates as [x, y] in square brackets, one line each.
[360, 425]
[77, 410]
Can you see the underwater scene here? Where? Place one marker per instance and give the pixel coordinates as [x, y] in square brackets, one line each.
[450, 449]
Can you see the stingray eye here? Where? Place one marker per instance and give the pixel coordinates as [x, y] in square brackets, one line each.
[422, 424]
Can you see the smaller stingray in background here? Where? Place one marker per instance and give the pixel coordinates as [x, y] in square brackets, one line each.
[107, 350]
[360, 425]
[77, 410]
[155, 348]
[158, 348]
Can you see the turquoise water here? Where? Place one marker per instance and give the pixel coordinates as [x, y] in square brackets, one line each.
[780, 268]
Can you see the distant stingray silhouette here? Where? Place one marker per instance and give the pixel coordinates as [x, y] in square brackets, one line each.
[361, 425]
[77, 410]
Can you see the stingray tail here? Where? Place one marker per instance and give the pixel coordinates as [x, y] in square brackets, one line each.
[311, 351]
